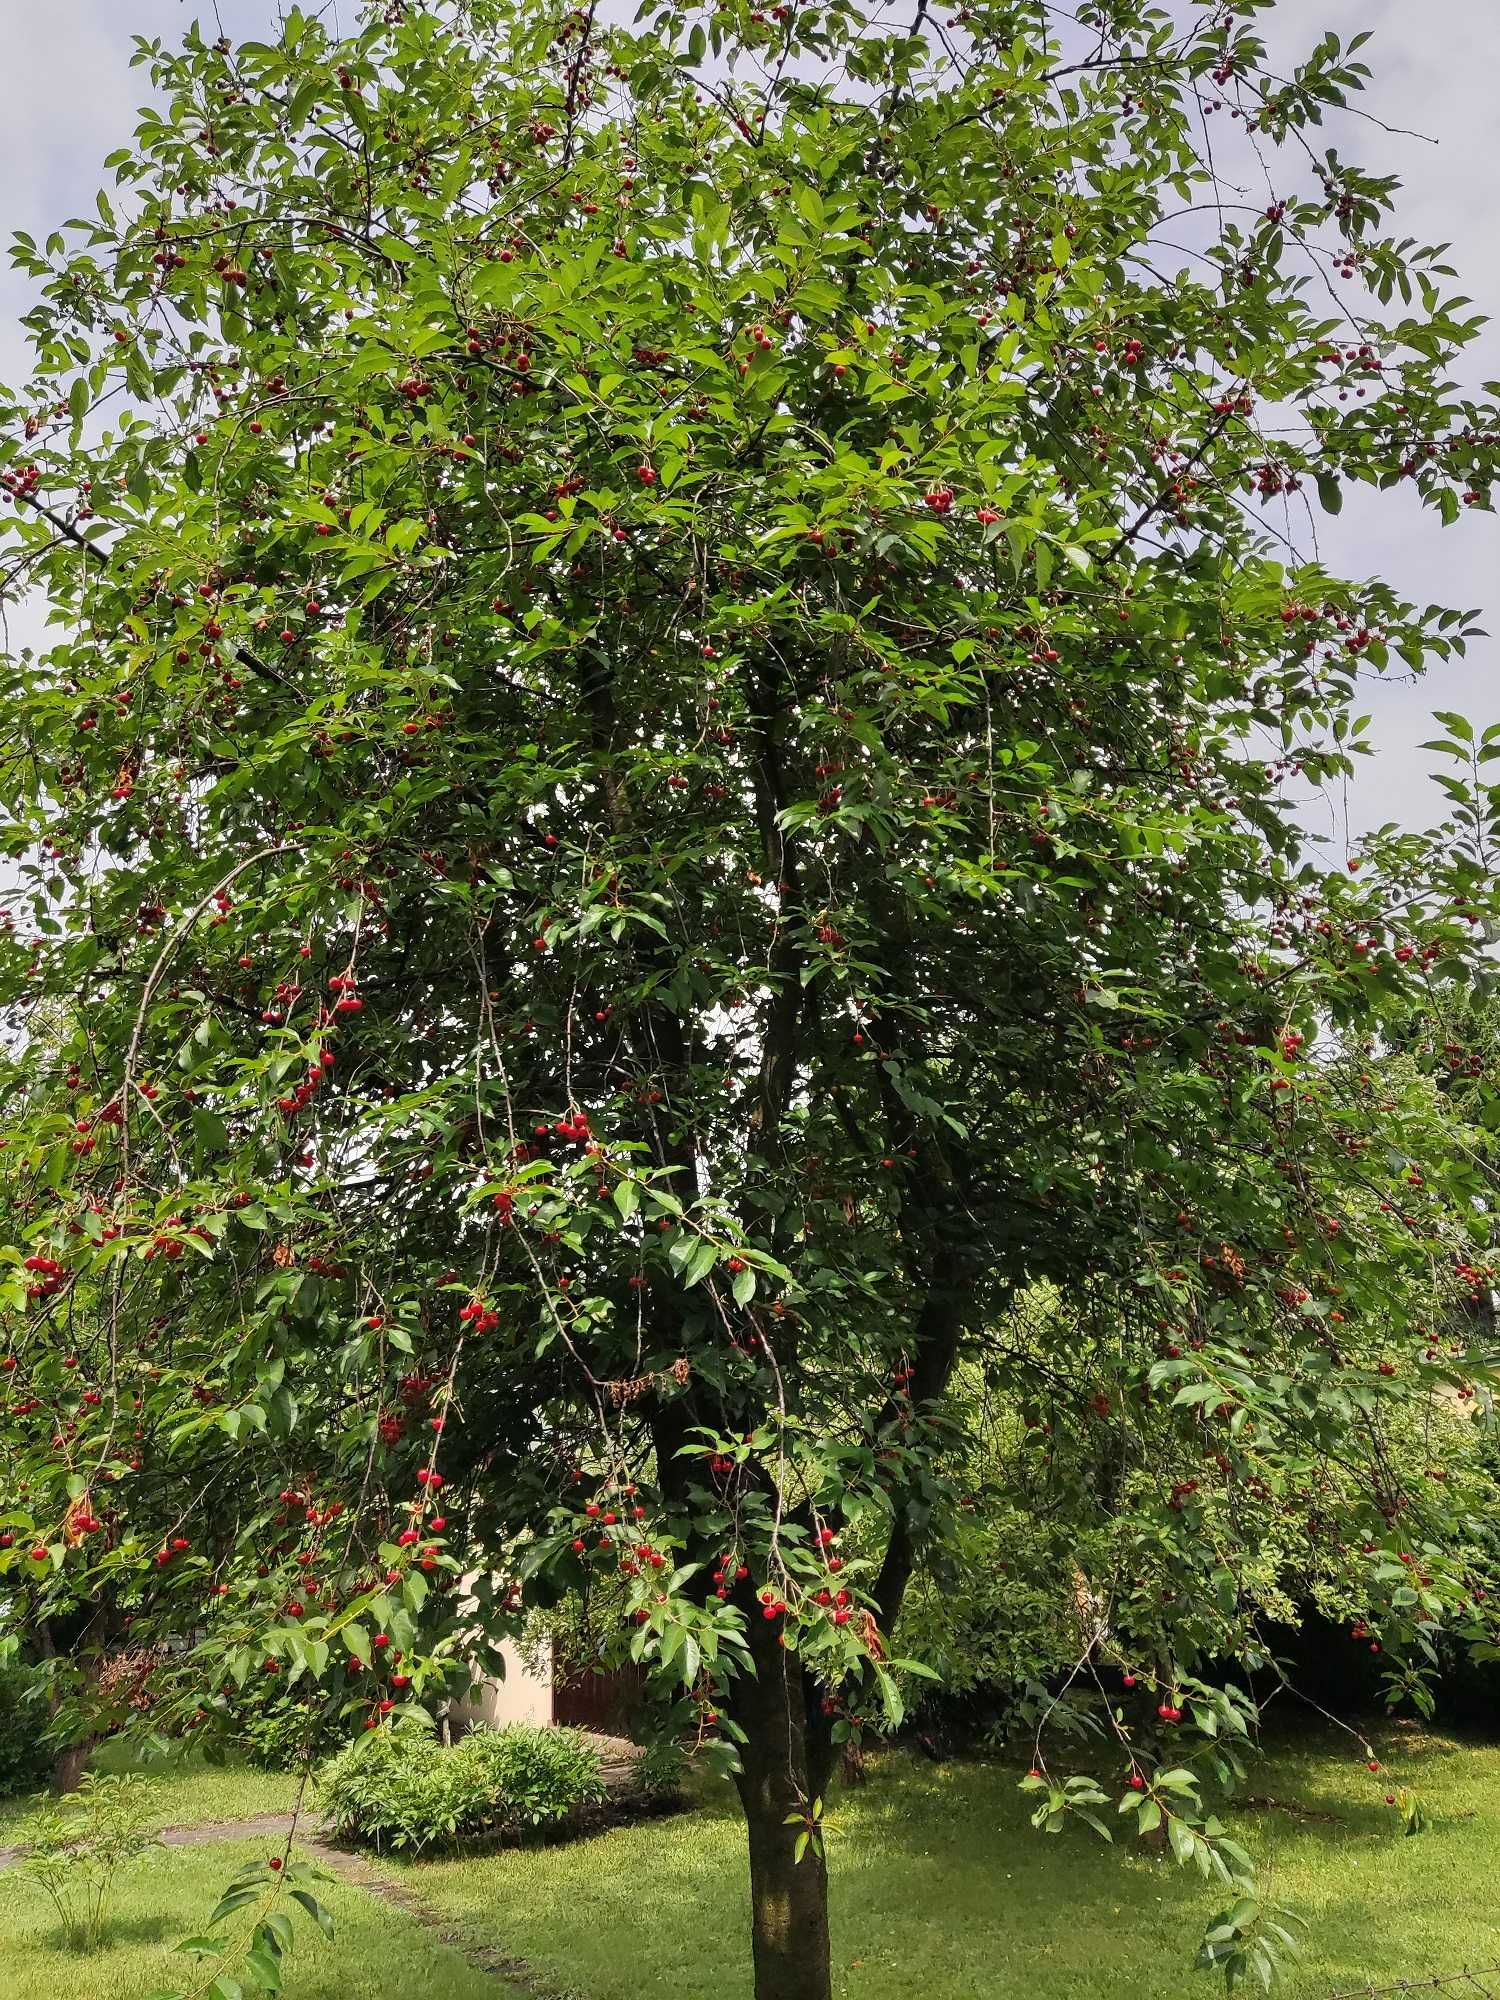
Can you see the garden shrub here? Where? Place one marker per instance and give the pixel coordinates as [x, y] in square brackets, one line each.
[78, 1845]
[998, 1617]
[25, 1757]
[402, 1788]
[661, 1770]
[277, 1735]
[1030, 1576]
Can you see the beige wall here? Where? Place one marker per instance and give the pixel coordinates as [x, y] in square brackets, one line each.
[521, 1696]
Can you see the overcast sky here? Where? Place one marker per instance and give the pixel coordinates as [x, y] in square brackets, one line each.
[68, 97]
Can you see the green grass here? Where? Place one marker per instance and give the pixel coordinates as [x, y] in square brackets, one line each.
[941, 1891]
[184, 1793]
[377, 1953]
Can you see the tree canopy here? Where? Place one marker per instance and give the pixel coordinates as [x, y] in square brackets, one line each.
[659, 830]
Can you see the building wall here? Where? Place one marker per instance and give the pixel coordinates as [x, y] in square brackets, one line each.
[520, 1696]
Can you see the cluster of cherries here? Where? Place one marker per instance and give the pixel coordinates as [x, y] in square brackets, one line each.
[302, 1096]
[479, 1317]
[575, 1129]
[347, 988]
[607, 1518]
[22, 484]
[48, 1275]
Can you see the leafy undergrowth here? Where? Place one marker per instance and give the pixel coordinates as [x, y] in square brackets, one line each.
[402, 1788]
[942, 1891]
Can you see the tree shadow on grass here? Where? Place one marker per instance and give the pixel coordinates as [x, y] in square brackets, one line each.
[146, 1928]
[979, 1883]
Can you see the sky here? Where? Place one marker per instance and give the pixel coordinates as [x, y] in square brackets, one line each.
[68, 97]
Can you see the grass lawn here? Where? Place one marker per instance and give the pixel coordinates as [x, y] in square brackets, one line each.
[184, 1793]
[377, 1954]
[942, 1891]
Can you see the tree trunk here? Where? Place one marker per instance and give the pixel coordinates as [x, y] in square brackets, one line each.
[70, 1764]
[853, 1768]
[780, 1779]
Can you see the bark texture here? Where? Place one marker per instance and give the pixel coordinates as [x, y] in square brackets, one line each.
[780, 1779]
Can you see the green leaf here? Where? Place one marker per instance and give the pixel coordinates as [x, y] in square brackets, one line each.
[309, 1902]
[264, 1968]
[700, 1261]
[232, 1900]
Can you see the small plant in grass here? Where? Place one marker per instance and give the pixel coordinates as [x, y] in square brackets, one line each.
[402, 1788]
[77, 1847]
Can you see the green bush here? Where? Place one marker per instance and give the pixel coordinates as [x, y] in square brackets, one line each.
[78, 1845]
[280, 1734]
[25, 1758]
[402, 1788]
[1000, 1617]
[661, 1770]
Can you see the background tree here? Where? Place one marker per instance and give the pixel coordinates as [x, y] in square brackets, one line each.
[663, 781]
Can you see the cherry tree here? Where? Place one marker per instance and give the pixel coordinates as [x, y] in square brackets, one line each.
[661, 790]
